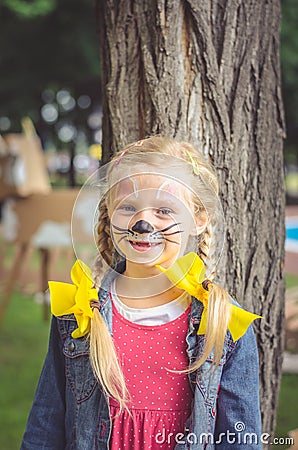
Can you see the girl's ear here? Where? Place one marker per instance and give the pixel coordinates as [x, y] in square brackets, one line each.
[201, 220]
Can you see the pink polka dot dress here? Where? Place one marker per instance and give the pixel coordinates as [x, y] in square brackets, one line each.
[160, 400]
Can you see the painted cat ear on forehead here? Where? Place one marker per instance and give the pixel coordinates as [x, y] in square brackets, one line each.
[168, 186]
[127, 187]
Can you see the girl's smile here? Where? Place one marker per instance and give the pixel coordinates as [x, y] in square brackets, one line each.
[142, 246]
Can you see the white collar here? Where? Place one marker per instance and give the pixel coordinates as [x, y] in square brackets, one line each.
[157, 315]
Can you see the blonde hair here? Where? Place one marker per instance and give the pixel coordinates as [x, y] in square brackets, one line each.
[204, 182]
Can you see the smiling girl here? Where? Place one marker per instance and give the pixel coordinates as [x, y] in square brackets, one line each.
[161, 357]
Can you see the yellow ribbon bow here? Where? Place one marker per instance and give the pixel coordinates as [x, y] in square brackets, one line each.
[75, 298]
[188, 273]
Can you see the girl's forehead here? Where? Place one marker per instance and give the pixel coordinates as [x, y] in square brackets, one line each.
[146, 173]
[157, 184]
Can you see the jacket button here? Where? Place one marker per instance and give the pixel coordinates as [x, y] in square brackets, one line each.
[71, 346]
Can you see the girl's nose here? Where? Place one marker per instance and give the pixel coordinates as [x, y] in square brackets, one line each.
[141, 226]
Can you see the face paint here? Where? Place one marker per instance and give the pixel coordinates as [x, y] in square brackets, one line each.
[142, 227]
[127, 187]
[151, 237]
[149, 214]
[142, 231]
[171, 189]
[135, 186]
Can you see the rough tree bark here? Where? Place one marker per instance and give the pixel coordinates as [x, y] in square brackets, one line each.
[208, 72]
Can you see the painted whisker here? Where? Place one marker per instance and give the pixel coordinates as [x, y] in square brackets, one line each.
[173, 242]
[121, 232]
[126, 230]
[121, 239]
[166, 229]
[174, 232]
[153, 238]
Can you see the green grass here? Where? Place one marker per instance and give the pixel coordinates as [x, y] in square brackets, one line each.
[24, 337]
[291, 280]
[288, 396]
[287, 418]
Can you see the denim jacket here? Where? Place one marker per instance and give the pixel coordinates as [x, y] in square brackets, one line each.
[70, 410]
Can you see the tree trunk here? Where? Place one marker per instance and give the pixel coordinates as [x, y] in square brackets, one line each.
[208, 72]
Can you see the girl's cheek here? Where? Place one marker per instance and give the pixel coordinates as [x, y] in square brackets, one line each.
[121, 221]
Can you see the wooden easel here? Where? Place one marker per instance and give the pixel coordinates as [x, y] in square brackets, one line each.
[31, 214]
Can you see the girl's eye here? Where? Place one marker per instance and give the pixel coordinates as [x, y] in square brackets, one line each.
[127, 208]
[165, 211]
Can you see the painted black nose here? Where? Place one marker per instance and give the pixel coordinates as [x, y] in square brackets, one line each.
[141, 226]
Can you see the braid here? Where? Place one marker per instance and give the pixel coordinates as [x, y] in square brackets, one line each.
[205, 241]
[104, 241]
[219, 306]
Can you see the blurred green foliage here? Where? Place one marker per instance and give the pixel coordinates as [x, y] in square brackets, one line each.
[32, 9]
[289, 65]
[45, 44]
